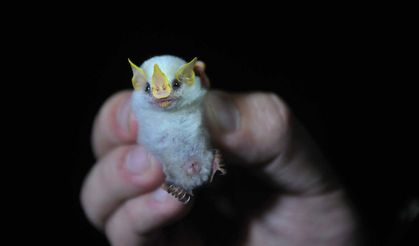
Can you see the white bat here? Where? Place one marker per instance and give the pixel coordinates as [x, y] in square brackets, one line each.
[168, 104]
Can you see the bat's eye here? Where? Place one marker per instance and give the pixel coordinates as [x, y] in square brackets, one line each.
[176, 84]
[147, 88]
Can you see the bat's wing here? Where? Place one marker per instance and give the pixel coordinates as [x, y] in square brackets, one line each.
[199, 68]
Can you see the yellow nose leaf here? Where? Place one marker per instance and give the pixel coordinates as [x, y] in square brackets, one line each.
[160, 86]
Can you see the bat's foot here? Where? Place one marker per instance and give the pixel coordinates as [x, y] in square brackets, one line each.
[181, 194]
[217, 164]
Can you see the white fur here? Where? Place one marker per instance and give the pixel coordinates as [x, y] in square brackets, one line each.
[175, 135]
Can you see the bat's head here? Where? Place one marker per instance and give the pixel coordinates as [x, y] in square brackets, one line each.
[166, 83]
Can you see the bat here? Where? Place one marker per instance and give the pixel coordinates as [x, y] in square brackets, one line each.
[167, 102]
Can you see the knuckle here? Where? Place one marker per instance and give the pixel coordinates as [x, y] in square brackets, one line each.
[274, 119]
[266, 122]
[100, 185]
[282, 116]
[107, 129]
[108, 113]
[89, 209]
[131, 213]
[112, 229]
[111, 165]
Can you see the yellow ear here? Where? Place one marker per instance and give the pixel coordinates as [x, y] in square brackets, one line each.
[139, 78]
[185, 73]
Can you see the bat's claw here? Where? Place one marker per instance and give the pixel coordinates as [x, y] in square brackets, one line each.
[181, 194]
[217, 165]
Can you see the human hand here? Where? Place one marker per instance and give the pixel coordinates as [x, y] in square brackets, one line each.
[281, 192]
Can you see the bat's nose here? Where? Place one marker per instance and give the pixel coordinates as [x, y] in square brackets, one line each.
[161, 91]
[160, 86]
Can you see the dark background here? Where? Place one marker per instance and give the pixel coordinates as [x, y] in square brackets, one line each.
[346, 80]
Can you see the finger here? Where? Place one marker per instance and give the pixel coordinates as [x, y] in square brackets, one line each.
[251, 126]
[132, 222]
[258, 128]
[125, 172]
[114, 125]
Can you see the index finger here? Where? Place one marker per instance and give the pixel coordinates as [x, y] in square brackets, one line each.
[114, 124]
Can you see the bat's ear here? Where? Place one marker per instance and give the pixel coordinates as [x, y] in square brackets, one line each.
[138, 79]
[186, 72]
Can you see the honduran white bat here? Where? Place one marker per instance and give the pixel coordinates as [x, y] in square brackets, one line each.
[168, 104]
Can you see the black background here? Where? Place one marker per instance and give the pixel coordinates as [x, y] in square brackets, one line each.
[345, 77]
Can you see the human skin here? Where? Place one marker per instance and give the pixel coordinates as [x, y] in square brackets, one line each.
[257, 131]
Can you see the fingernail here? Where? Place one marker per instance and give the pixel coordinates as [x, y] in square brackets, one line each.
[222, 113]
[124, 116]
[160, 195]
[138, 160]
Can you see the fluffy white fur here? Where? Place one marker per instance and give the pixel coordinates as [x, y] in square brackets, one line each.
[176, 134]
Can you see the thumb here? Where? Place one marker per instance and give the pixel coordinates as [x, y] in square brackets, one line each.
[258, 129]
[252, 127]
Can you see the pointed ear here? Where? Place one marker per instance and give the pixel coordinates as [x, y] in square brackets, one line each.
[138, 79]
[186, 72]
